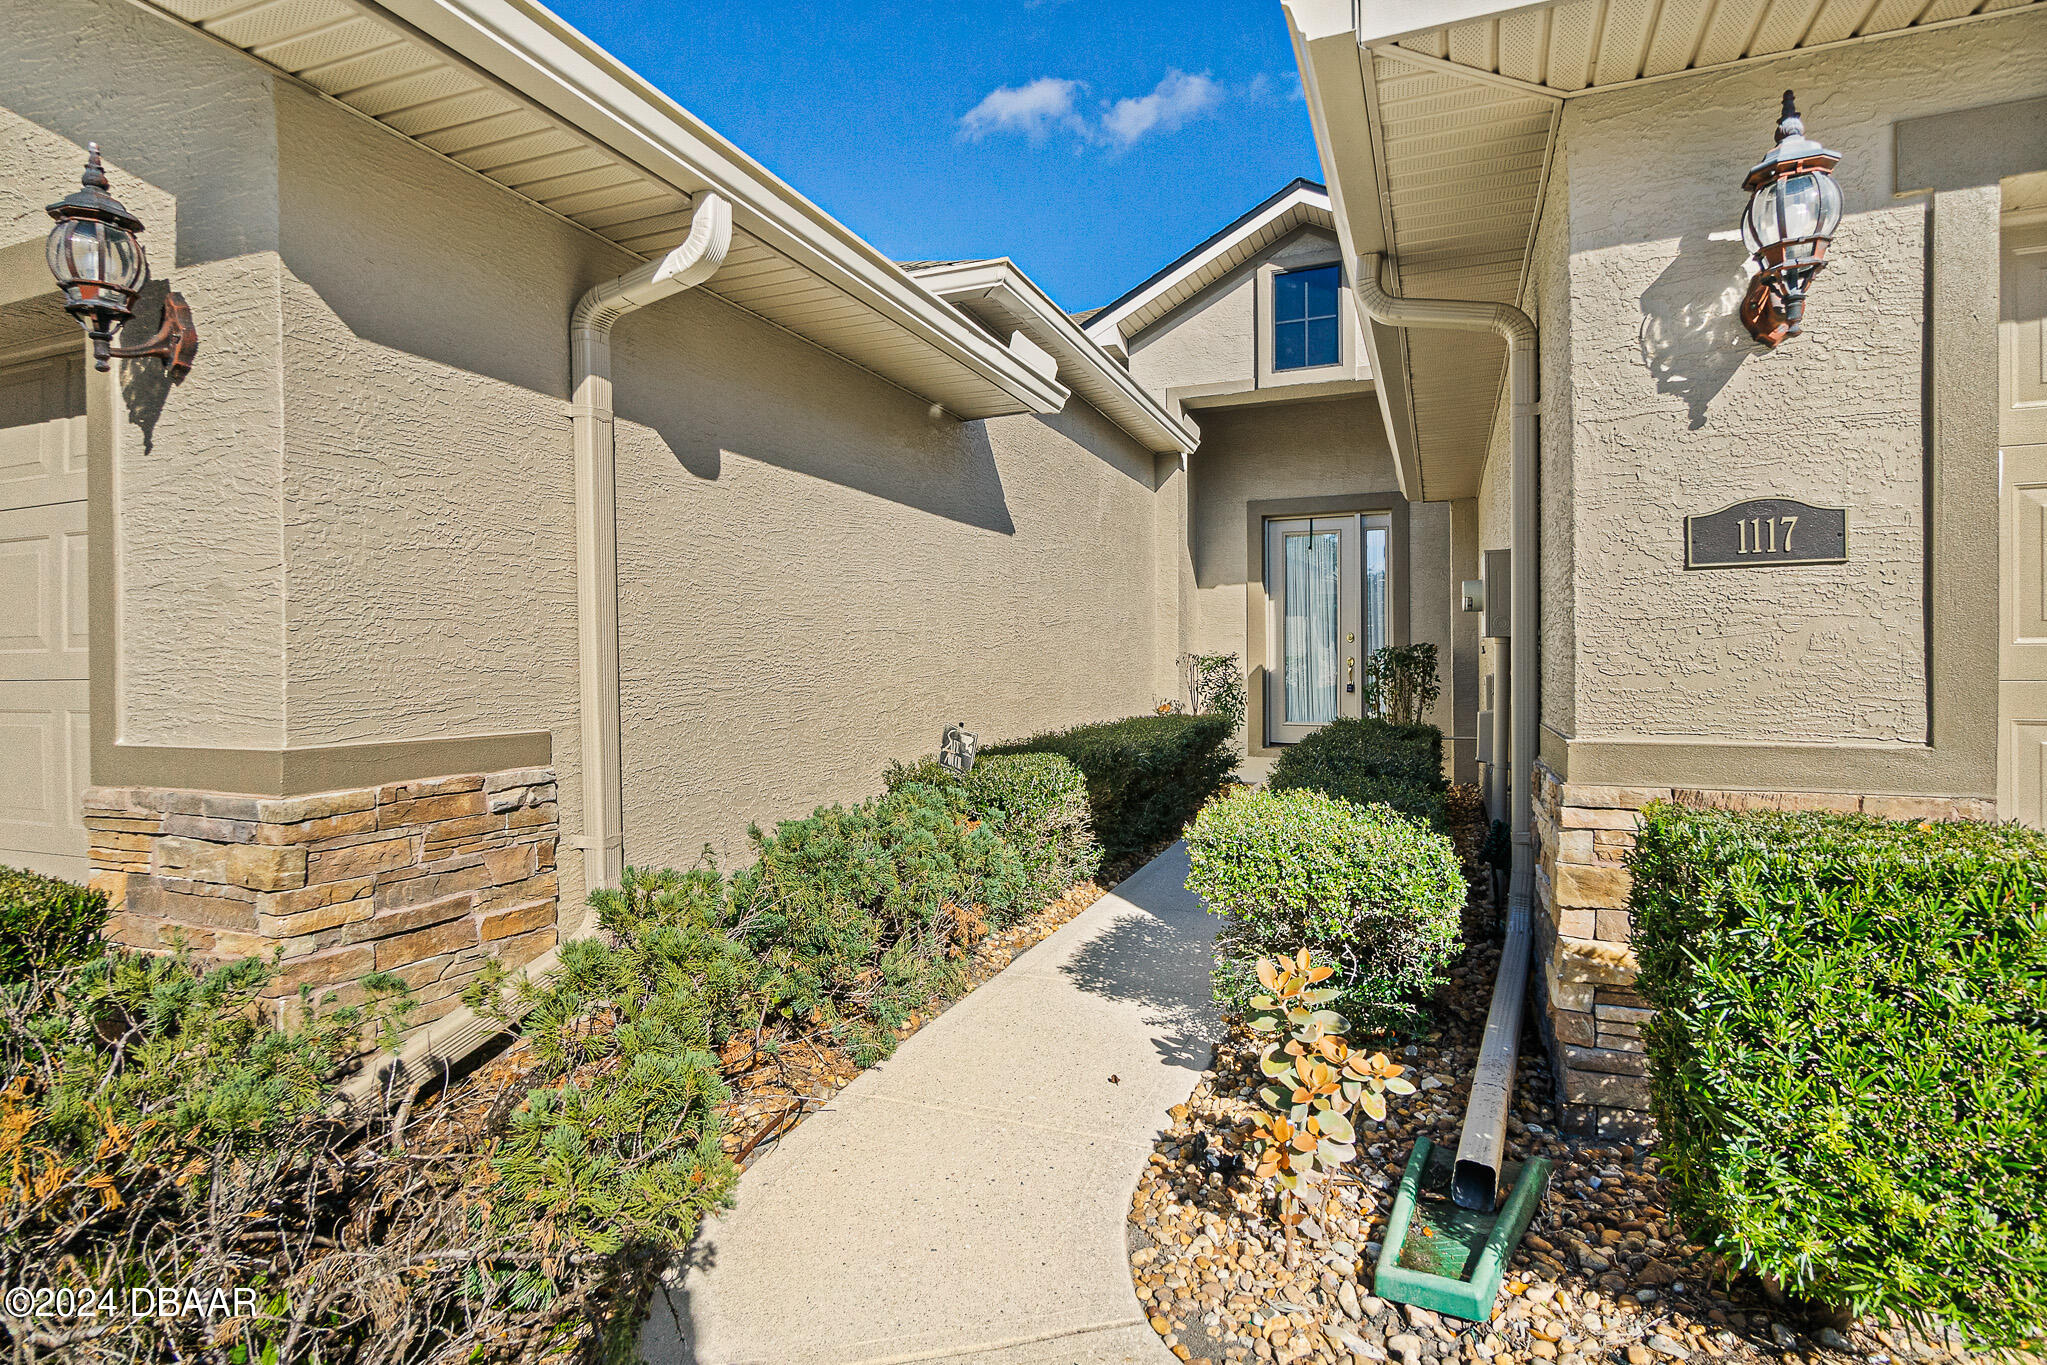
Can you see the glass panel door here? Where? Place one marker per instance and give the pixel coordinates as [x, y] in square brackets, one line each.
[1378, 542]
[1308, 633]
[1314, 583]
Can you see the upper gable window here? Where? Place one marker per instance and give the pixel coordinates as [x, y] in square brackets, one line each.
[1304, 314]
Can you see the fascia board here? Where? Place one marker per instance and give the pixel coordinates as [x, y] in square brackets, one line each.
[1104, 329]
[547, 61]
[1387, 21]
[1046, 324]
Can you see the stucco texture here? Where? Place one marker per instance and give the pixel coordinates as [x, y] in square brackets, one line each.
[816, 571]
[200, 605]
[1657, 406]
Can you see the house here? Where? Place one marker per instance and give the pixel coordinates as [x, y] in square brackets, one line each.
[1541, 205]
[554, 488]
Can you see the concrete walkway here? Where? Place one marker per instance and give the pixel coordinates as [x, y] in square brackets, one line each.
[966, 1199]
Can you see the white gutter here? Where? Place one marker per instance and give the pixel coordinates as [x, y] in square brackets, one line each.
[590, 411]
[1476, 1181]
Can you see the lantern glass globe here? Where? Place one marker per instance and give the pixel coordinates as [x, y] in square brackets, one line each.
[97, 263]
[1800, 210]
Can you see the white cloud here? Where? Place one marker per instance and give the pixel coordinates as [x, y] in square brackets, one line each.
[1177, 98]
[1034, 110]
[1051, 104]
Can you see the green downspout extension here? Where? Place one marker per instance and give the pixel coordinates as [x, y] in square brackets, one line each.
[1473, 1247]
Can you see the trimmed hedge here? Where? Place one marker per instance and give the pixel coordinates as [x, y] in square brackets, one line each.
[46, 922]
[1374, 892]
[1146, 776]
[1368, 761]
[1849, 1059]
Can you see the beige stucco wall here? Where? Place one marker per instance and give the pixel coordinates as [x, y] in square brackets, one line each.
[1657, 406]
[817, 575]
[355, 521]
[1675, 413]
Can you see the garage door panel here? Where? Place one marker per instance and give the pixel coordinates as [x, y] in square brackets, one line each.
[45, 747]
[43, 588]
[45, 724]
[42, 432]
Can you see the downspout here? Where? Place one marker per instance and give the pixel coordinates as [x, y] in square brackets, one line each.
[696, 260]
[1476, 1182]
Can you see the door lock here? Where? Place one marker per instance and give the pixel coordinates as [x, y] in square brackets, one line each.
[1350, 675]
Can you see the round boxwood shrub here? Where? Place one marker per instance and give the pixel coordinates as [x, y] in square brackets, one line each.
[1849, 1059]
[1363, 887]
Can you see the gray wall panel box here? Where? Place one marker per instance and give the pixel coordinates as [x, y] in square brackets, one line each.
[1497, 589]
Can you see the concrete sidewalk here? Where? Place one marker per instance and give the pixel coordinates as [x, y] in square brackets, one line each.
[966, 1199]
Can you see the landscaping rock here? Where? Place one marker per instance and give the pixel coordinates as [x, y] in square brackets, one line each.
[1603, 1275]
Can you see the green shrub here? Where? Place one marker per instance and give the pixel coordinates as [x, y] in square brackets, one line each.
[1849, 1059]
[1364, 888]
[1146, 776]
[46, 922]
[1370, 760]
[1037, 803]
[860, 915]
[617, 1146]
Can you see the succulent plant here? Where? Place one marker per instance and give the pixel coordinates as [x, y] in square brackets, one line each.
[1317, 1078]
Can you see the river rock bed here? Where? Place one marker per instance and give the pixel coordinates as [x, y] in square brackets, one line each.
[1603, 1274]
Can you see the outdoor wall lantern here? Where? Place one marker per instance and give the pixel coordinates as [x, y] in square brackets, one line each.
[1793, 208]
[101, 268]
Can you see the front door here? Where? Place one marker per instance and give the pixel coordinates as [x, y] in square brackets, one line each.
[1326, 583]
[45, 729]
[2022, 604]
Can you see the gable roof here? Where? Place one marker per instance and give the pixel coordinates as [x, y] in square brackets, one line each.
[1003, 299]
[1300, 203]
[510, 92]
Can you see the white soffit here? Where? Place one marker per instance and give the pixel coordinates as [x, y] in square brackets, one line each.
[1465, 97]
[1005, 300]
[506, 89]
[1300, 204]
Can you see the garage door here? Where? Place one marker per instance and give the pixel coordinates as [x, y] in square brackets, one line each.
[44, 726]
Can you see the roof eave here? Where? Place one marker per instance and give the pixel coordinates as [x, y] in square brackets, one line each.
[535, 53]
[1332, 71]
[1047, 325]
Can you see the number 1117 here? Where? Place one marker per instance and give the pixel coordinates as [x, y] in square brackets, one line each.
[1754, 530]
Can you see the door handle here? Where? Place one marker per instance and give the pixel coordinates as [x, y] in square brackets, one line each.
[1350, 675]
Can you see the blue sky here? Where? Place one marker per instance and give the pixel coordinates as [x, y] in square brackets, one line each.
[1090, 141]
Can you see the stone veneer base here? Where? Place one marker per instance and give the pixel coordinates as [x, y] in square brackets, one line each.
[1591, 1017]
[424, 879]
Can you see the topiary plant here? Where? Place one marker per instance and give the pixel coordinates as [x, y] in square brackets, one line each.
[1317, 1079]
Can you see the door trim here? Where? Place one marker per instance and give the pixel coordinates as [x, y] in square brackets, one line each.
[1258, 603]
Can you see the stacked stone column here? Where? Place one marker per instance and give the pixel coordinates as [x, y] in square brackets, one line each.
[425, 880]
